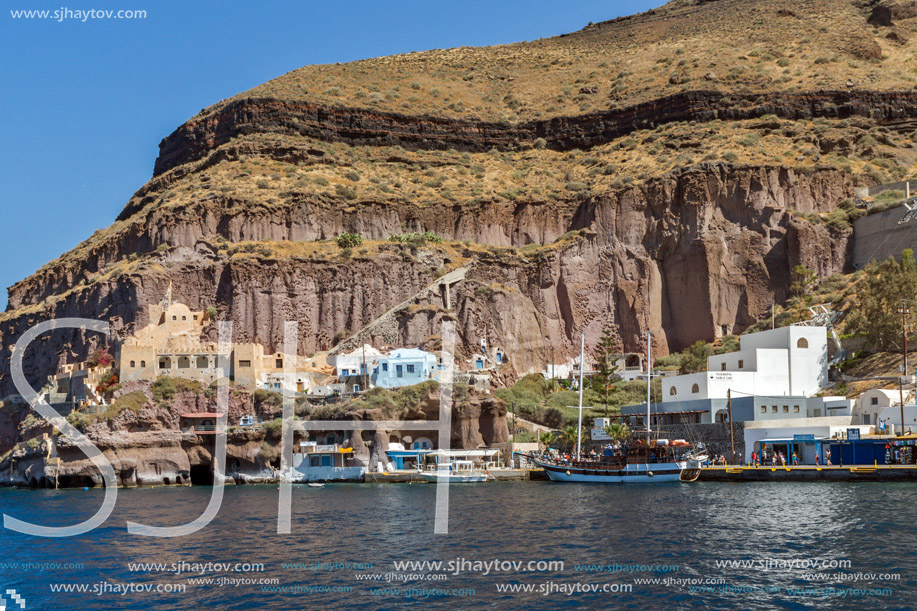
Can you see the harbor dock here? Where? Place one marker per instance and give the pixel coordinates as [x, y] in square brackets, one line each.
[808, 473]
[413, 476]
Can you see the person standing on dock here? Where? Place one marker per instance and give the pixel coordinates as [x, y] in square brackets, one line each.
[795, 460]
[754, 458]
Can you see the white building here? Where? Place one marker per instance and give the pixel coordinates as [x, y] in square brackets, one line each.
[871, 404]
[889, 418]
[789, 361]
[352, 363]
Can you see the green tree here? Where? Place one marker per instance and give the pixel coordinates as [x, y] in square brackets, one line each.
[546, 439]
[803, 280]
[568, 436]
[608, 346]
[618, 431]
[879, 298]
[695, 357]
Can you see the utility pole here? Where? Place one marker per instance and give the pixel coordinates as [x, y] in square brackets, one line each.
[732, 439]
[365, 380]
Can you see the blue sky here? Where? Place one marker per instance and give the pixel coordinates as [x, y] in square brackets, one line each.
[85, 104]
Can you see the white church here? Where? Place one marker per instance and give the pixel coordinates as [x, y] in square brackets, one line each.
[789, 361]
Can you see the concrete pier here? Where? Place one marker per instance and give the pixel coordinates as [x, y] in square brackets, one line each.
[809, 473]
[413, 477]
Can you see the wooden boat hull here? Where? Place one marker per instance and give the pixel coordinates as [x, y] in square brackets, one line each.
[630, 474]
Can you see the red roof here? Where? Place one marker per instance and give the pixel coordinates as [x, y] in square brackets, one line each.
[202, 415]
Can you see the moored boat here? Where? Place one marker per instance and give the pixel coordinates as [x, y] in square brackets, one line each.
[641, 463]
[457, 472]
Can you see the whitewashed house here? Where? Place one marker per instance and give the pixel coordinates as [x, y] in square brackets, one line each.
[790, 361]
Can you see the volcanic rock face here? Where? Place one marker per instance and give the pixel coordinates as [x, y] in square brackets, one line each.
[197, 138]
[699, 253]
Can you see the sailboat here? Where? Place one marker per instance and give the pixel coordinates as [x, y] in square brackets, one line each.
[643, 461]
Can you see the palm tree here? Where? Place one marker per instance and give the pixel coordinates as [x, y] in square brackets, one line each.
[618, 431]
[546, 439]
[568, 436]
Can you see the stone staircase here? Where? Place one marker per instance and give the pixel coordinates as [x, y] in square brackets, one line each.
[386, 325]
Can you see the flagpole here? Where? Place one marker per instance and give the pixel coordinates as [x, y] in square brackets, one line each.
[582, 364]
[649, 379]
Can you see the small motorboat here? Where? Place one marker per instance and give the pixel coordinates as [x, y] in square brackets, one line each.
[315, 485]
[457, 472]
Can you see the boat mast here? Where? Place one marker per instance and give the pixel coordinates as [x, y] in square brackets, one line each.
[579, 423]
[649, 378]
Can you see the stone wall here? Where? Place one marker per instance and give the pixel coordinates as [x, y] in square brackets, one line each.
[714, 436]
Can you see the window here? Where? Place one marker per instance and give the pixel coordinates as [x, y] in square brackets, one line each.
[695, 389]
[724, 366]
[874, 401]
[410, 367]
[278, 363]
[817, 412]
[202, 362]
[866, 419]
[195, 317]
[133, 364]
[315, 461]
[774, 409]
[384, 366]
[164, 364]
[399, 371]
[763, 409]
[142, 364]
[672, 391]
[741, 364]
[175, 318]
[245, 363]
[184, 362]
[802, 343]
[795, 409]
[786, 409]
[184, 318]
[356, 388]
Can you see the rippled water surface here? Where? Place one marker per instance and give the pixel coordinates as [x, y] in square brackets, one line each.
[680, 535]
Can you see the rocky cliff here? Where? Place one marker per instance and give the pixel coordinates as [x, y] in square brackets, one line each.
[143, 440]
[643, 190]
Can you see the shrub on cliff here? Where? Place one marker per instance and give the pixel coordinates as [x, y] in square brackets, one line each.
[273, 428]
[100, 358]
[133, 401]
[268, 452]
[163, 389]
[79, 420]
[550, 417]
[267, 399]
[349, 240]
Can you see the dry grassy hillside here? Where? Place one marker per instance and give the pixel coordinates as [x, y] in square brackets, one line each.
[723, 45]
